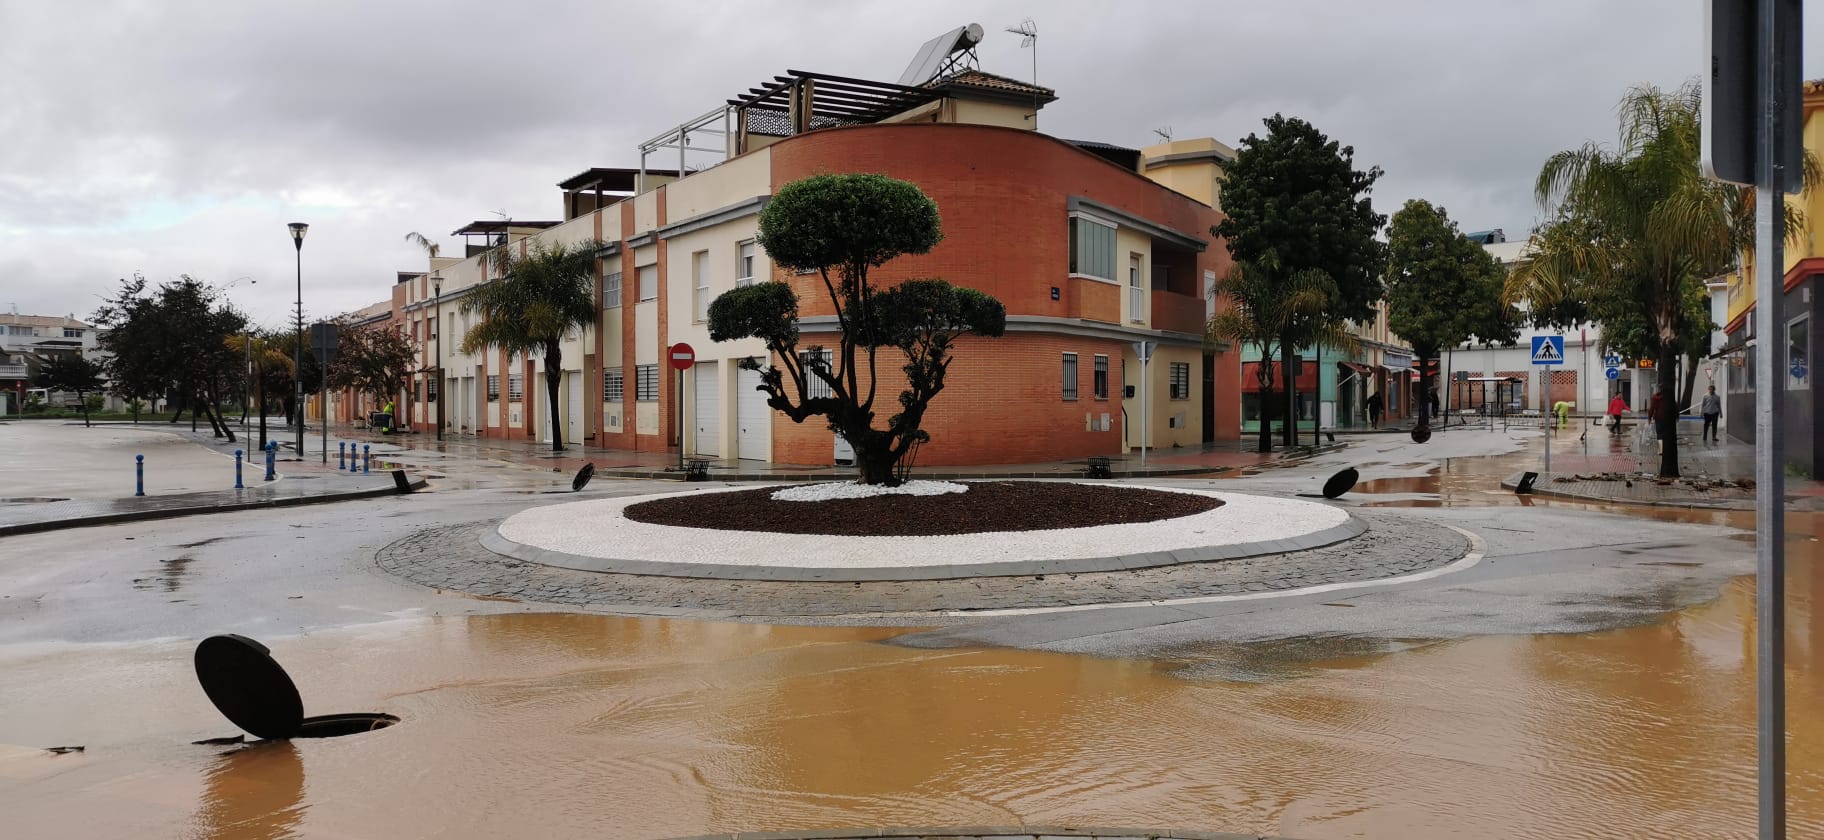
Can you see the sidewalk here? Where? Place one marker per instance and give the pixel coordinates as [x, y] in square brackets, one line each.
[1591, 463]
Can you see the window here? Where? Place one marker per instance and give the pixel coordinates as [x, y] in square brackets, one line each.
[417, 392]
[1181, 380]
[699, 275]
[18, 330]
[1092, 248]
[516, 386]
[744, 264]
[814, 386]
[430, 390]
[1798, 353]
[1070, 376]
[614, 385]
[1101, 382]
[649, 282]
[1136, 292]
[646, 383]
[493, 387]
[71, 333]
[611, 291]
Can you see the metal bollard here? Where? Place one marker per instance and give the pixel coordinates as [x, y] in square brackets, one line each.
[272, 457]
[237, 470]
[340, 446]
[139, 475]
[367, 458]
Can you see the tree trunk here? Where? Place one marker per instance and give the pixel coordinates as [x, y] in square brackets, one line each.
[83, 397]
[1424, 395]
[1266, 415]
[1667, 424]
[180, 409]
[259, 399]
[1289, 432]
[876, 465]
[554, 360]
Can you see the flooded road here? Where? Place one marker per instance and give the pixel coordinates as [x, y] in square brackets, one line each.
[570, 725]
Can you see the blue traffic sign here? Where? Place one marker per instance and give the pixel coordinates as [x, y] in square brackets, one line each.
[1548, 349]
[1612, 360]
[1613, 373]
[1798, 371]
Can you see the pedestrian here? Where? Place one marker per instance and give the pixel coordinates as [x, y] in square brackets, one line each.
[1434, 400]
[1617, 407]
[1655, 407]
[1376, 405]
[1712, 410]
[389, 417]
[1563, 409]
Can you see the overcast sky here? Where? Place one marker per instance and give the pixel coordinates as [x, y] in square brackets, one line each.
[179, 136]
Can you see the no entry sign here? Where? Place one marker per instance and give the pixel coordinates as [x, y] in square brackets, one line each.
[681, 356]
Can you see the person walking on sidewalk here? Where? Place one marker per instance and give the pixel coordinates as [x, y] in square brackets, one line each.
[1374, 409]
[1712, 409]
[1656, 407]
[1617, 407]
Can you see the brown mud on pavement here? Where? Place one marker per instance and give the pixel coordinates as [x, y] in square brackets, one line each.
[535, 725]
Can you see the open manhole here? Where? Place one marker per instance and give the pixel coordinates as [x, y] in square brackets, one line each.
[251, 689]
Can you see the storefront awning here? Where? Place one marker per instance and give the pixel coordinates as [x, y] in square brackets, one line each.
[1358, 368]
[1396, 361]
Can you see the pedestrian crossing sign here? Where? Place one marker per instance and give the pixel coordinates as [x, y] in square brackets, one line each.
[1548, 349]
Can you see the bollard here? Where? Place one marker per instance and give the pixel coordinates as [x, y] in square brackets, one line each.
[367, 458]
[139, 475]
[237, 471]
[272, 457]
[340, 446]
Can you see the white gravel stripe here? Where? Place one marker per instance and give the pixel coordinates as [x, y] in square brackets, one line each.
[599, 529]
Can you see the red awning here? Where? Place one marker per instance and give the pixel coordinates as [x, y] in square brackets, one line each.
[1250, 377]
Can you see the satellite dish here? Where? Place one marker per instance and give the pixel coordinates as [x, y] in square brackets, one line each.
[582, 477]
[934, 57]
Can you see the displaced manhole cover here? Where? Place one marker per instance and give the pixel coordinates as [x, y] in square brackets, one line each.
[253, 691]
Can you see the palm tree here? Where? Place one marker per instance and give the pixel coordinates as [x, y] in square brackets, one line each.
[267, 358]
[1636, 228]
[536, 300]
[1263, 309]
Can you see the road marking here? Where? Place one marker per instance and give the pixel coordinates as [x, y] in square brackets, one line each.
[1478, 548]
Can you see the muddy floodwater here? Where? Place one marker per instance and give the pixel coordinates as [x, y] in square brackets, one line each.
[551, 725]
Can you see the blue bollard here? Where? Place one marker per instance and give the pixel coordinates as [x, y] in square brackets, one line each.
[340, 446]
[237, 471]
[367, 458]
[139, 475]
[354, 457]
[272, 457]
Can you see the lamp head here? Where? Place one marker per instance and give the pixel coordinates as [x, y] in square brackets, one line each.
[298, 230]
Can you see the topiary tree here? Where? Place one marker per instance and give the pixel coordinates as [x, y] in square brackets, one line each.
[843, 226]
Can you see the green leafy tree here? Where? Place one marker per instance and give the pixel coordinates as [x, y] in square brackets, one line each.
[377, 360]
[1295, 201]
[70, 372]
[538, 298]
[272, 370]
[173, 340]
[842, 227]
[1261, 307]
[1635, 229]
[1442, 289]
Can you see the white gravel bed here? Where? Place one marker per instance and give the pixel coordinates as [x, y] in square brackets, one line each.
[598, 528]
[853, 490]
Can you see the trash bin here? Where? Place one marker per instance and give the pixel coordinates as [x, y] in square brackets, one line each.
[380, 420]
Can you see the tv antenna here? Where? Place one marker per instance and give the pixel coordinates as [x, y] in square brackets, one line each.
[1165, 133]
[1029, 37]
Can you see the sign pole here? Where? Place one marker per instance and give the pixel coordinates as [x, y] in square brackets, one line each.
[1769, 411]
[680, 418]
[681, 357]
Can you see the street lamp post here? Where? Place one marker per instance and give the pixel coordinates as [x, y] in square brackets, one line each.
[437, 313]
[297, 352]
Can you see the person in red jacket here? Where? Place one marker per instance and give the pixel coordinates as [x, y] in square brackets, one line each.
[1617, 407]
[1655, 407]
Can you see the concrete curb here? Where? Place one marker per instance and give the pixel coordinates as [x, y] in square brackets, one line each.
[1002, 832]
[198, 510]
[494, 542]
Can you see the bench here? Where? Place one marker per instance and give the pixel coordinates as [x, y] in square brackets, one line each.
[1098, 467]
[696, 469]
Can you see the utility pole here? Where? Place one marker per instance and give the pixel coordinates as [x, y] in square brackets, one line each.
[298, 230]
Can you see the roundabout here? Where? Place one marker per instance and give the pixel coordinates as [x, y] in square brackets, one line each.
[608, 535]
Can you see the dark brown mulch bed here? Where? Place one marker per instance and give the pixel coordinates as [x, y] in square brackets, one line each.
[988, 506]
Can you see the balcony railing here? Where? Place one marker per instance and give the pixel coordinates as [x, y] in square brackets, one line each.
[1177, 313]
[12, 372]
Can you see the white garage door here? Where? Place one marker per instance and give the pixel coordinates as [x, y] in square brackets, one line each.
[753, 415]
[708, 408]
